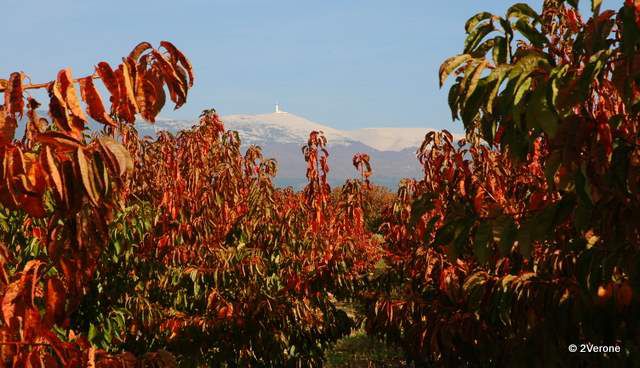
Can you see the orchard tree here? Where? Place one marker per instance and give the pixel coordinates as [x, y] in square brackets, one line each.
[525, 238]
[59, 190]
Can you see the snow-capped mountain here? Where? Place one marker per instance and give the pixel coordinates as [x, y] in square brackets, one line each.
[282, 134]
[389, 139]
[284, 127]
[281, 127]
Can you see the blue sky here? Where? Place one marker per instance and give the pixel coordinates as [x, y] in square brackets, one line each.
[348, 64]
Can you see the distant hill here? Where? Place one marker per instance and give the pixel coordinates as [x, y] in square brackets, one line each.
[282, 135]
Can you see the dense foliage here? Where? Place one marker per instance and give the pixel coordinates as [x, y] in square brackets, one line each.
[59, 190]
[519, 240]
[214, 264]
[525, 239]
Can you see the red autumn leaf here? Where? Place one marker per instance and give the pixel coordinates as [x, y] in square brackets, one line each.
[605, 137]
[92, 98]
[124, 108]
[149, 94]
[35, 124]
[8, 125]
[139, 50]
[55, 301]
[108, 77]
[65, 91]
[177, 90]
[478, 200]
[61, 141]
[86, 175]
[178, 56]
[126, 81]
[118, 158]
[151, 77]
[57, 111]
[13, 101]
[11, 305]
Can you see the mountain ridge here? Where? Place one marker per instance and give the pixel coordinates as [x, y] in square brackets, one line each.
[281, 135]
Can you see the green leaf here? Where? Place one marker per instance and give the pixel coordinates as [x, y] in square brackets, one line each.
[484, 47]
[630, 31]
[499, 52]
[564, 208]
[556, 82]
[506, 27]
[453, 235]
[543, 227]
[117, 246]
[451, 64]
[481, 245]
[474, 288]
[93, 333]
[504, 233]
[533, 35]
[527, 64]
[524, 239]
[495, 79]
[583, 188]
[472, 106]
[522, 11]
[540, 114]
[521, 88]
[473, 77]
[477, 35]
[592, 71]
[595, 6]
[473, 21]
[454, 97]
[445, 234]
[419, 207]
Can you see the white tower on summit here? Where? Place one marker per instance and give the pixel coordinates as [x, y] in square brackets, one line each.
[278, 110]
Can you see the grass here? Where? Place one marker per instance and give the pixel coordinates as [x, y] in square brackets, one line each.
[361, 351]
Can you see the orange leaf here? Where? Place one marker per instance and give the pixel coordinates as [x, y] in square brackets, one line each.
[108, 77]
[11, 306]
[478, 200]
[92, 358]
[126, 80]
[13, 100]
[35, 124]
[8, 125]
[60, 141]
[179, 56]
[139, 49]
[177, 90]
[92, 98]
[118, 157]
[65, 91]
[57, 110]
[53, 173]
[55, 301]
[7, 195]
[149, 93]
[86, 172]
[123, 106]
[152, 78]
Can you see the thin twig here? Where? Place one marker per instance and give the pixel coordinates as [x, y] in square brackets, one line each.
[46, 85]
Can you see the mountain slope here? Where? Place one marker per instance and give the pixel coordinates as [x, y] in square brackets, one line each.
[281, 136]
[389, 139]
